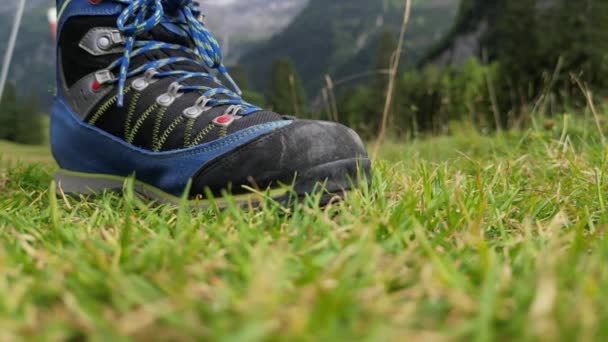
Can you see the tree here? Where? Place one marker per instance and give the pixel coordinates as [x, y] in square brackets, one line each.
[286, 92]
[356, 105]
[8, 113]
[580, 36]
[239, 75]
[20, 122]
[514, 42]
[387, 44]
[379, 85]
[28, 124]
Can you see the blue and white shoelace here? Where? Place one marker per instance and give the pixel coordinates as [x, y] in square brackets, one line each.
[142, 16]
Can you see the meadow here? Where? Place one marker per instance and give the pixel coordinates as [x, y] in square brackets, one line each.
[463, 237]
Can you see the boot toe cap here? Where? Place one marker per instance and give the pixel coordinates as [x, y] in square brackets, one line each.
[308, 152]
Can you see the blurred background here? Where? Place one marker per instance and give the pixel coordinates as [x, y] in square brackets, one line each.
[489, 64]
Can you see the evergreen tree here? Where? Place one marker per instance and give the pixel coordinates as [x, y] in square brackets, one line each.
[387, 44]
[286, 93]
[239, 75]
[580, 36]
[8, 113]
[357, 111]
[599, 46]
[514, 42]
[28, 125]
[379, 84]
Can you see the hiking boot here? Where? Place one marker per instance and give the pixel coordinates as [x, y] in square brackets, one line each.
[142, 92]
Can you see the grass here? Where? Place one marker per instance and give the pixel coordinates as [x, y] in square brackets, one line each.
[14, 153]
[468, 237]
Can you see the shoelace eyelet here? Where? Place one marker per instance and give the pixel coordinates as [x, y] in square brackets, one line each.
[110, 40]
[192, 112]
[200, 106]
[139, 84]
[104, 43]
[224, 120]
[230, 115]
[142, 83]
[169, 97]
[234, 111]
[102, 77]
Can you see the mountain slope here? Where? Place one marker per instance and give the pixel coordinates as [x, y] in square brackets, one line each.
[241, 24]
[465, 37]
[339, 37]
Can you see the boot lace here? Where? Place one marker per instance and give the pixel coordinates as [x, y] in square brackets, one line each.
[141, 16]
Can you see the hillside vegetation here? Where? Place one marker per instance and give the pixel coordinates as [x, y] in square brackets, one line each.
[341, 38]
[502, 60]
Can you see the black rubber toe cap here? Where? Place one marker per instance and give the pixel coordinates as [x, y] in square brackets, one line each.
[315, 151]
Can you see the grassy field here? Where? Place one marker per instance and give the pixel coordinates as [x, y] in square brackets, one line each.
[12, 154]
[459, 238]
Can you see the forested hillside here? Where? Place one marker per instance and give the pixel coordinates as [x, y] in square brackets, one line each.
[341, 37]
[544, 29]
[530, 40]
[501, 61]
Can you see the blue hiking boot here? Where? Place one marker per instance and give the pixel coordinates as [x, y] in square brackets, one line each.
[141, 90]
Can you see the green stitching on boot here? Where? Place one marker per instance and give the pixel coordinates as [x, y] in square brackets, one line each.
[140, 122]
[165, 136]
[105, 107]
[131, 112]
[223, 132]
[159, 119]
[202, 134]
[188, 132]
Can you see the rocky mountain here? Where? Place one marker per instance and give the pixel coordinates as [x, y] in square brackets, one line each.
[340, 37]
[464, 40]
[241, 24]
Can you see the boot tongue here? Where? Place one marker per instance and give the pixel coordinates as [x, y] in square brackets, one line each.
[171, 5]
[167, 31]
[170, 33]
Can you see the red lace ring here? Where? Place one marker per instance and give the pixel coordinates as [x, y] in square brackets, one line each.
[95, 85]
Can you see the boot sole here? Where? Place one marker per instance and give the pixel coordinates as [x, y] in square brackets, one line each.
[332, 180]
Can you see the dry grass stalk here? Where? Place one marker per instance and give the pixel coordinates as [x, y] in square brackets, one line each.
[394, 68]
